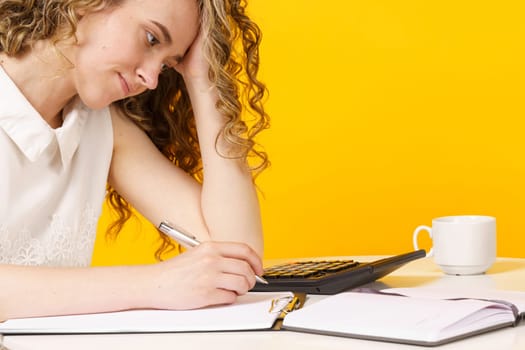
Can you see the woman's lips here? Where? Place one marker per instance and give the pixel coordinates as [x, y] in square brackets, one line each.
[124, 85]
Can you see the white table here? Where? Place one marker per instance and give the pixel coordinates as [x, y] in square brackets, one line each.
[505, 274]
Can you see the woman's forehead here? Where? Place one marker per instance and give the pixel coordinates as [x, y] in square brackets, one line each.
[177, 20]
[168, 9]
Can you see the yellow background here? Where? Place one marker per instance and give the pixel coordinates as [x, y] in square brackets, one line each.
[385, 114]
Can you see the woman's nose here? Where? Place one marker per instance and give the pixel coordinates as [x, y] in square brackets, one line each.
[149, 75]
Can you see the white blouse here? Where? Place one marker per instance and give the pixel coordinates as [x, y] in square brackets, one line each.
[52, 181]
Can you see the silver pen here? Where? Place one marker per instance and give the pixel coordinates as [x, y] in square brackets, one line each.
[189, 241]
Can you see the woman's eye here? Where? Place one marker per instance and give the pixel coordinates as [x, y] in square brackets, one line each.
[152, 40]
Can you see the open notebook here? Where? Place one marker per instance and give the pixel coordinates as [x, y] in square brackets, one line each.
[421, 317]
[250, 312]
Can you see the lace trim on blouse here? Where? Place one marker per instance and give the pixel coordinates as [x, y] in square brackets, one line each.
[63, 246]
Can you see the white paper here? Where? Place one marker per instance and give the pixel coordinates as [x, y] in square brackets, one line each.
[515, 297]
[397, 317]
[249, 312]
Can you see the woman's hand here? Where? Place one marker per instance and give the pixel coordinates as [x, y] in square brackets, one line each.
[212, 273]
[194, 68]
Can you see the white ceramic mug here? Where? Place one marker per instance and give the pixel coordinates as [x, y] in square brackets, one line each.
[462, 245]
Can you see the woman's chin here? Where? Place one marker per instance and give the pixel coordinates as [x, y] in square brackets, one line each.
[95, 103]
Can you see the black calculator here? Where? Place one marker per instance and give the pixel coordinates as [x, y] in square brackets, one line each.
[330, 276]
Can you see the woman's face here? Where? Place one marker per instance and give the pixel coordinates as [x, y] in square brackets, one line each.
[121, 50]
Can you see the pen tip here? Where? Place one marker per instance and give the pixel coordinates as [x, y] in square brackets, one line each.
[261, 280]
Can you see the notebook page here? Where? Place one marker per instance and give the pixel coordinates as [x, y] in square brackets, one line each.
[515, 297]
[394, 317]
[250, 311]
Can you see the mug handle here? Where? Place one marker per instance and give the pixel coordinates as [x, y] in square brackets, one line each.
[416, 234]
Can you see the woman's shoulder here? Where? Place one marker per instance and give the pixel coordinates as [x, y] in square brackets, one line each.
[124, 129]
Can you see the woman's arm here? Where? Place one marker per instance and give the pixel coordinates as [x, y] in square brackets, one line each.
[225, 207]
[229, 199]
[29, 291]
[210, 274]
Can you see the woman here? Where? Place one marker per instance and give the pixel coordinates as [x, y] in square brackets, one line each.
[141, 95]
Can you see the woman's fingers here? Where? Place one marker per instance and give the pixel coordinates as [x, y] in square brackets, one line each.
[210, 274]
[236, 275]
[238, 251]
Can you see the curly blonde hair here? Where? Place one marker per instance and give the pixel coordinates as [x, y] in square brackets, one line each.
[231, 47]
